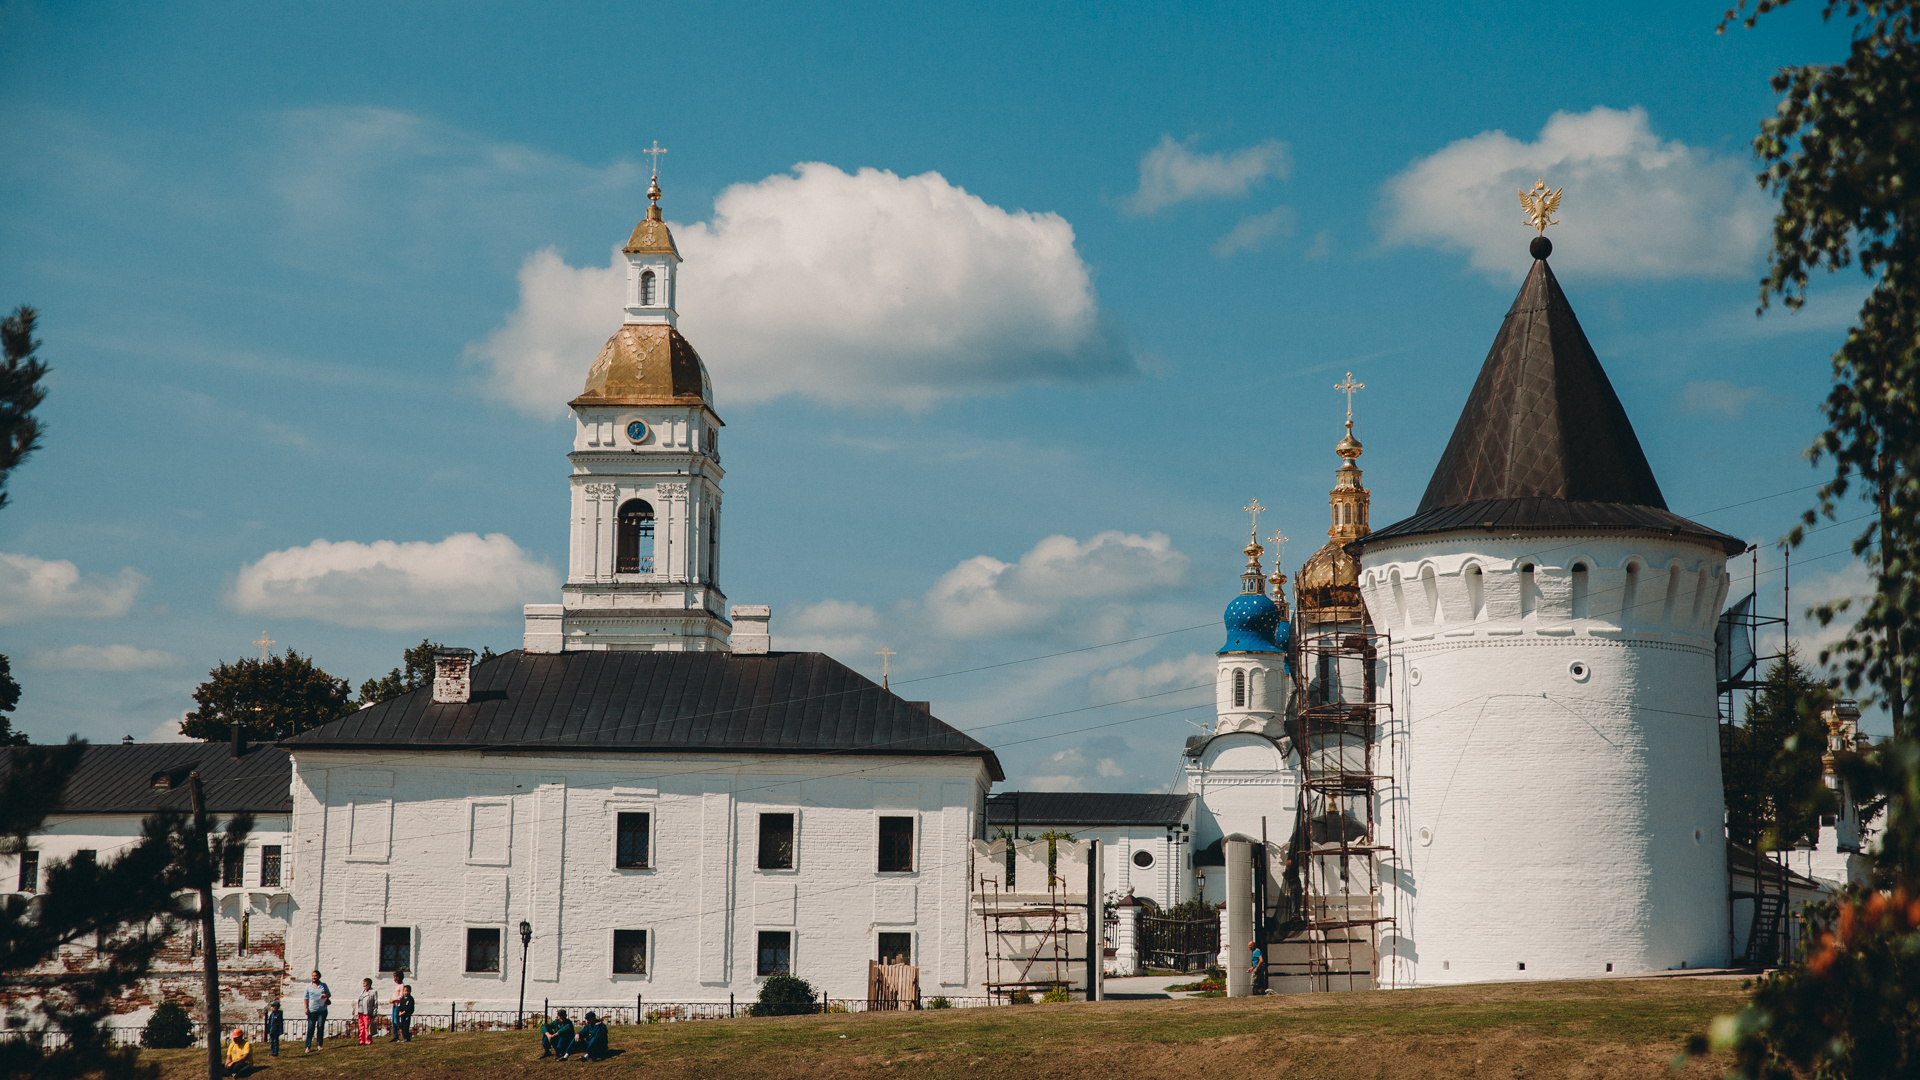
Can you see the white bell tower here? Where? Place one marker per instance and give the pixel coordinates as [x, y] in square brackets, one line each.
[643, 567]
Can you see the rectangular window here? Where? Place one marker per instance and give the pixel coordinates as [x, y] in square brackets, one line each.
[270, 864]
[29, 871]
[896, 948]
[776, 841]
[776, 952]
[483, 948]
[396, 948]
[630, 849]
[629, 952]
[232, 875]
[896, 844]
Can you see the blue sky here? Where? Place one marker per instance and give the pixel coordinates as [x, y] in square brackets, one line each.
[1008, 308]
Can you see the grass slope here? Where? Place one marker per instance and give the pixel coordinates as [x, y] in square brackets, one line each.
[1625, 1028]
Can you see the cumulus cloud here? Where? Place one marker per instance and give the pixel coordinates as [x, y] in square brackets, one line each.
[168, 731]
[101, 658]
[1720, 396]
[1172, 173]
[464, 580]
[984, 597]
[1194, 670]
[1253, 231]
[862, 288]
[34, 589]
[1636, 206]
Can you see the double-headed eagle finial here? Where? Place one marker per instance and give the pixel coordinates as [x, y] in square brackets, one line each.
[1540, 205]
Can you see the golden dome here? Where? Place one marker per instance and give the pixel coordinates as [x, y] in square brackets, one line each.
[652, 236]
[647, 364]
[1328, 587]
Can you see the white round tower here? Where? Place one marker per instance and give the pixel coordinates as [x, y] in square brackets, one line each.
[1552, 664]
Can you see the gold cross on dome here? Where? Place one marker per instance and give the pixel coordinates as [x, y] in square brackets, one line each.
[1254, 508]
[265, 643]
[886, 656]
[1348, 387]
[655, 151]
[1279, 542]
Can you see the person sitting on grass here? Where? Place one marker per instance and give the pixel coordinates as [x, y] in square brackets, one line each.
[593, 1039]
[556, 1036]
[237, 1060]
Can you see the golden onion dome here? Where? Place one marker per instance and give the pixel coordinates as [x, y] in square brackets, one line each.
[1328, 587]
[647, 364]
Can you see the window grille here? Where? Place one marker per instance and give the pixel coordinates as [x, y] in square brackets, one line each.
[634, 550]
[776, 841]
[776, 953]
[896, 844]
[630, 849]
[29, 871]
[629, 952]
[483, 948]
[646, 289]
[1239, 689]
[270, 864]
[396, 948]
[233, 874]
[896, 948]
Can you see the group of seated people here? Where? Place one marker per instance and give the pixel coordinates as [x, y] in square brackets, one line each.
[559, 1038]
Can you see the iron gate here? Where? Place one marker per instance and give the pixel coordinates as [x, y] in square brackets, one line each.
[1179, 944]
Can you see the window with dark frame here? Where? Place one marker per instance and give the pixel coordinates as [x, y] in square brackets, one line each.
[269, 864]
[396, 948]
[776, 952]
[29, 871]
[896, 948]
[233, 873]
[630, 845]
[629, 952]
[483, 948]
[896, 844]
[776, 841]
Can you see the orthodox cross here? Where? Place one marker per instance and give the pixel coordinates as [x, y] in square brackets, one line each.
[1254, 508]
[1279, 542]
[265, 643]
[1540, 205]
[656, 151]
[886, 656]
[1347, 388]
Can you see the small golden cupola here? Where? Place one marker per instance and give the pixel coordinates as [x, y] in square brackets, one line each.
[1328, 588]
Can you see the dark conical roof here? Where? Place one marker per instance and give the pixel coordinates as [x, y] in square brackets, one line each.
[1544, 442]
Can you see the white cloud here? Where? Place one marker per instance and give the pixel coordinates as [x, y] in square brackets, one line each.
[1171, 173]
[168, 731]
[862, 288]
[101, 658]
[1173, 674]
[33, 589]
[984, 597]
[464, 580]
[1720, 396]
[1321, 247]
[1252, 232]
[1635, 206]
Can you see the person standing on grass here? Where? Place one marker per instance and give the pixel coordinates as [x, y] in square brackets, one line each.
[403, 1015]
[365, 1008]
[393, 999]
[318, 997]
[276, 1023]
[1253, 968]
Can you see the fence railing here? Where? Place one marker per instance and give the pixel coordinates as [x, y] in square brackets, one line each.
[458, 1019]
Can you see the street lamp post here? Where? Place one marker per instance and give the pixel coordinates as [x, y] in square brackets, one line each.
[526, 939]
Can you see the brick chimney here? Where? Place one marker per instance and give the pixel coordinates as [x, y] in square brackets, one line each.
[752, 633]
[452, 676]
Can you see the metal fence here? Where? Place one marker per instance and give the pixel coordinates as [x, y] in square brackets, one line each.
[458, 1019]
[1179, 944]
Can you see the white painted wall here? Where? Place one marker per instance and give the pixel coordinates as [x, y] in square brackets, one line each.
[439, 842]
[1561, 804]
[1239, 779]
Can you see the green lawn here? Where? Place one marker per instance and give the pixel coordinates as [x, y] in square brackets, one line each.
[1621, 1028]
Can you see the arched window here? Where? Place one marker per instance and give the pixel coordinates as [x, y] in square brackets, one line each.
[1239, 689]
[633, 554]
[646, 289]
[1580, 591]
[1528, 596]
[713, 552]
[1476, 591]
[1630, 594]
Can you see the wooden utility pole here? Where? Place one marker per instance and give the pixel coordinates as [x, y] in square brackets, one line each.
[202, 857]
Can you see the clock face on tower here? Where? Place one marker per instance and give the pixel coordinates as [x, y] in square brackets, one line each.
[636, 431]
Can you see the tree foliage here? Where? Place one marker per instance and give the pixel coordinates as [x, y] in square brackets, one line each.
[416, 671]
[1842, 153]
[20, 391]
[9, 699]
[1774, 786]
[784, 995]
[274, 698]
[120, 910]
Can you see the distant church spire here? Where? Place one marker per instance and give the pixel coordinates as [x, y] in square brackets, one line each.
[1254, 578]
[1329, 581]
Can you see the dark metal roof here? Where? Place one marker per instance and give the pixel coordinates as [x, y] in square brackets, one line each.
[1543, 442]
[118, 778]
[706, 702]
[1085, 808]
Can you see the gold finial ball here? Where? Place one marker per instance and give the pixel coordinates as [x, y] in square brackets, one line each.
[1348, 447]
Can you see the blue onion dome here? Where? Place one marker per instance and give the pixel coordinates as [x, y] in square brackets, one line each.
[1254, 625]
